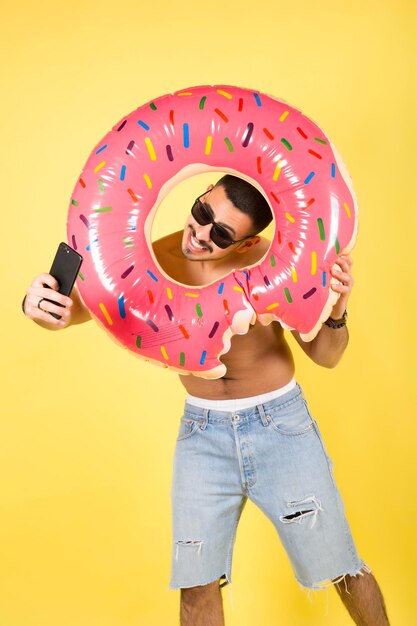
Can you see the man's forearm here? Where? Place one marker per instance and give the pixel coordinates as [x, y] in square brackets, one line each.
[329, 345]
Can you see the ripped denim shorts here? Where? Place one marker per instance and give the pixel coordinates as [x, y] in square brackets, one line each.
[272, 453]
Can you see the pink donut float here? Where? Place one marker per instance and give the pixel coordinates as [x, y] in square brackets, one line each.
[265, 141]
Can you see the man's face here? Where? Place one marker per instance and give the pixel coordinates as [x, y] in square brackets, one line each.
[196, 243]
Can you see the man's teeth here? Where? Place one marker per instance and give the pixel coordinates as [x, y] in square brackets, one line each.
[195, 244]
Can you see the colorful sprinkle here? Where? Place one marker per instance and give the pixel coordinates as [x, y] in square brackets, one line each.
[333, 170]
[152, 275]
[184, 331]
[85, 220]
[302, 133]
[186, 137]
[147, 181]
[152, 325]
[268, 134]
[316, 154]
[169, 153]
[82, 183]
[138, 341]
[323, 279]
[267, 281]
[275, 197]
[133, 195]
[320, 140]
[284, 115]
[313, 263]
[228, 144]
[103, 209]
[171, 117]
[213, 330]
[169, 293]
[198, 310]
[169, 312]
[101, 149]
[121, 126]
[221, 114]
[153, 106]
[191, 295]
[290, 218]
[277, 170]
[309, 177]
[321, 229]
[259, 164]
[220, 289]
[272, 306]
[226, 307]
[286, 143]
[294, 274]
[249, 131]
[127, 272]
[272, 260]
[105, 313]
[287, 294]
[239, 289]
[309, 293]
[99, 166]
[337, 245]
[225, 94]
[130, 147]
[123, 172]
[74, 202]
[182, 359]
[145, 126]
[164, 353]
[257, 99]
[101, 186]
[121, 304]
[209, 143]
[202, 103]
[151, 149]
[240, 107]
[203, 357]
[347, 209]
[150, 296]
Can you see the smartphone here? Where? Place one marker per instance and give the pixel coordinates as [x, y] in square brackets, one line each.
[64, 269]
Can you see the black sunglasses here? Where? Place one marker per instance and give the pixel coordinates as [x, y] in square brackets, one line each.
[219, 235]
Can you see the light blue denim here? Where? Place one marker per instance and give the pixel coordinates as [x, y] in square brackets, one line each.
[272, 453]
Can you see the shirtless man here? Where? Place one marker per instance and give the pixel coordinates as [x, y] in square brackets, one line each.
[249, 433]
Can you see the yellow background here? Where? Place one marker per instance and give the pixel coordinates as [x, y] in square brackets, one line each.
[88, 430]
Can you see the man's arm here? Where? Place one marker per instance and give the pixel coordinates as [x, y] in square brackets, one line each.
[328, 346]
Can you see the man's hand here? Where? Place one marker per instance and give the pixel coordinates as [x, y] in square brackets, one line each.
[345, 277]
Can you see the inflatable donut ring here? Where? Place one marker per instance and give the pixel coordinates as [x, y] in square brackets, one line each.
[265, 141]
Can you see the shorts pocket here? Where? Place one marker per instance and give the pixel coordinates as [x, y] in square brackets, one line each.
[292, 418]
[188, 427]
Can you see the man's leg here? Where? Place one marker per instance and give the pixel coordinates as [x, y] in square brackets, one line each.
[363, 599]
[202, 606]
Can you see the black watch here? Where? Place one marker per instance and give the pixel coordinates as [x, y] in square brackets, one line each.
[337, 323]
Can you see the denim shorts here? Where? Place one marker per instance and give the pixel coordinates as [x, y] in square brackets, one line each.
[272, 453]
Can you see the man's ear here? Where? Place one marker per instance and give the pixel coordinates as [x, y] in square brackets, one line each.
[247, 244]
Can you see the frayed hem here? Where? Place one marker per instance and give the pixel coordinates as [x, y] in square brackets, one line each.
[325, 584]
[226, 582]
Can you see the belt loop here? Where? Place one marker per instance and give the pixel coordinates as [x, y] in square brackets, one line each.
[261, 410]
[204, 420]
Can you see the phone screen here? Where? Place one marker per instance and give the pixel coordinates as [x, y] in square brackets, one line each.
[64, 269]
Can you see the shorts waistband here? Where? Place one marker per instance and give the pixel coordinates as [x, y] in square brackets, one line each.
[240, 403]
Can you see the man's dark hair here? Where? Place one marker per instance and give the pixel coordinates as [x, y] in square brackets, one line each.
[247, 199]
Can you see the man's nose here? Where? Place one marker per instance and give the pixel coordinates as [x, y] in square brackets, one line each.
[203, 232]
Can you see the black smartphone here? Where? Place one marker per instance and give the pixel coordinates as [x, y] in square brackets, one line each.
[64, 269]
